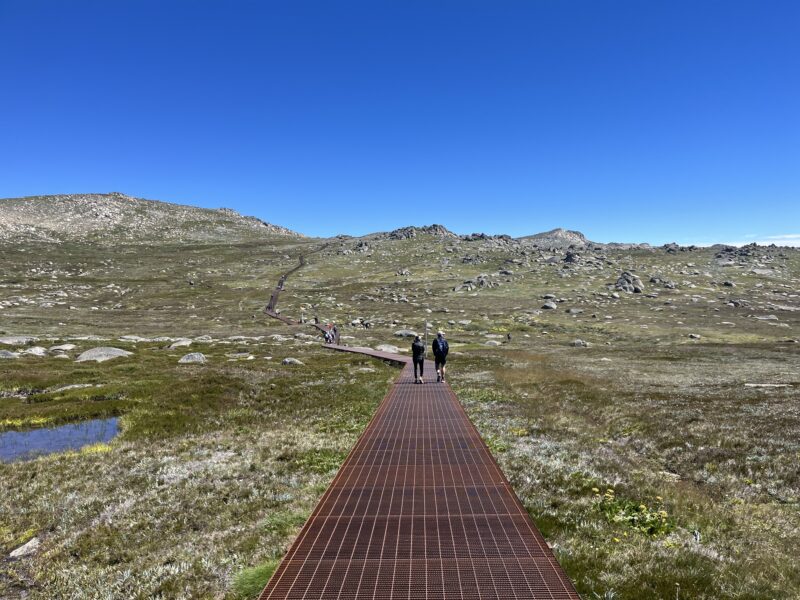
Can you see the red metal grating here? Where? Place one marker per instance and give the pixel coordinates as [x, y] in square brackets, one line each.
[419, 509]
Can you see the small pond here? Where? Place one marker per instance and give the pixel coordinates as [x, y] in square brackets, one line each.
[22, 445]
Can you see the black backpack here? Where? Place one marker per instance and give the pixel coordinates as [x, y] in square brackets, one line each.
[442, 347]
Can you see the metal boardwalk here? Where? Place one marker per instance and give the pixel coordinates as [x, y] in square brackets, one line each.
[419, 509]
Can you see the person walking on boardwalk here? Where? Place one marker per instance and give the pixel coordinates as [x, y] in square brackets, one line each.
[418, 356]
[440, 349]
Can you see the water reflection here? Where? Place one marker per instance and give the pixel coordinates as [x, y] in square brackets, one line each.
[22, 445]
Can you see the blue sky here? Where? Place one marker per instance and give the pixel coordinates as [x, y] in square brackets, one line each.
[627, 120]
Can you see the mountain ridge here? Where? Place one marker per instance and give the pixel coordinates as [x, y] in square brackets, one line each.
[117, 217]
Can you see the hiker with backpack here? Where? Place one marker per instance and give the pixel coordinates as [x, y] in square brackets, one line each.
[440, 349]
[418, 357]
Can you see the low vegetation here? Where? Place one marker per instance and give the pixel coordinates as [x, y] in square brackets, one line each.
[658, 456]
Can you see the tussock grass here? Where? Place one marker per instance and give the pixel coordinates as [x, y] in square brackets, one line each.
[218, 465]
[214, 472]
[644, 489]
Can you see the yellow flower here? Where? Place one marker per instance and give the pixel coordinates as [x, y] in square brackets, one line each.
[595, 490]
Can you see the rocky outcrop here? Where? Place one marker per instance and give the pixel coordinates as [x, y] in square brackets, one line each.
[628, 282]
[406, 233]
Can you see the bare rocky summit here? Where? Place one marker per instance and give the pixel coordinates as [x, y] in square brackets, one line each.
[558, 238]
[119, 219]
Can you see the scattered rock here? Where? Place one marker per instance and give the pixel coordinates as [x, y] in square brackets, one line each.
[549, 305]
[26, 549]
[493, 343]
[74, 386]
[35, 351]
[63, 348]
[405, 333]
[17, 340]
[630, 283]
[387, 348]
[102, 354]
[133, 338]
[192, 357]
[579, 343]
[182, 343]
[767, 385]
[694, 336]
[292, 361]
[4, 354]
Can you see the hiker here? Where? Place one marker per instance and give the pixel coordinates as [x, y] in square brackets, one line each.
[335, 335]
[418, 355]
[440, 349]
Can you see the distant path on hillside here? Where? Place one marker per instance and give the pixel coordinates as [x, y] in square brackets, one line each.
[419, 509]
[272, 305]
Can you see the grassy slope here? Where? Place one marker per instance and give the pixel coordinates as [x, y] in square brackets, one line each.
[224, 461]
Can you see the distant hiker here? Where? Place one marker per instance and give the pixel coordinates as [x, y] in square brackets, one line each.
[440, 349]
[418, 355]
[335, 335]
[327, 337]
[316, 320]
[508, 337]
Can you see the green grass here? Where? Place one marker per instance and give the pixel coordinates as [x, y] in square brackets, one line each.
[249, 582]
[225, 460]
[201, 462]
[700, 480]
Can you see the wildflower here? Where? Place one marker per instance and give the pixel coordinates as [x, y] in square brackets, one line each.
[595, 490]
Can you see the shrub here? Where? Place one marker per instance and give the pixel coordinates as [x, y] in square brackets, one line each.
[650, 521]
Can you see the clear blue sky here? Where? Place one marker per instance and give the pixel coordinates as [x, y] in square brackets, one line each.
[628, 120]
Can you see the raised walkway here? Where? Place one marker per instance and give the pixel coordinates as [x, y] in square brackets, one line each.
[419, 509]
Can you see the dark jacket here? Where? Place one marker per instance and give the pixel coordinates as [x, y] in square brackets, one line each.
[418, 350]
[440, 347]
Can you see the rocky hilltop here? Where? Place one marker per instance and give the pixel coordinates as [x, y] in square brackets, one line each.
[406, 233]
[119, 219]
[558, 238]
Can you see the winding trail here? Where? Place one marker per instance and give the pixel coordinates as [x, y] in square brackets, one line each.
[272, 305]
[419, 509]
